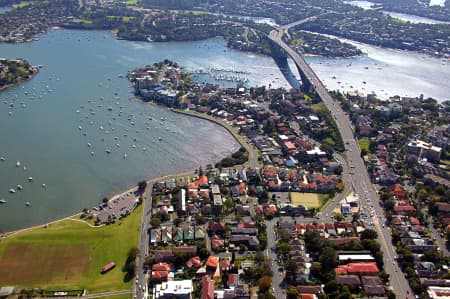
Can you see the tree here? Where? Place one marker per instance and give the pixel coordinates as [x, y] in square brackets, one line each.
[200, 219]
[369, 234]
[338, 216]
[155, 222]
[264, 284]
[284, 248]
[389, 205]
[142, 185]
[328, 259]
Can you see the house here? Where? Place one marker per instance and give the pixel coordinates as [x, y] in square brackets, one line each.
[212, 263]
[250, 241]
[373, 285]
[207, 288]
[358, 268]
[424, 150]
[406, 210]
[216, 228]
[162, 255]
[349, 280]
[243, 231]
[179, 289]
[344, 257]
[182, 201]
[194, 262]
[438, 292]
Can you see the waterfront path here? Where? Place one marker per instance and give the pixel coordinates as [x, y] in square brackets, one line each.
[359, 177]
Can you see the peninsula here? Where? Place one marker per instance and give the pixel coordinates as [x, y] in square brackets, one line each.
[13, 71]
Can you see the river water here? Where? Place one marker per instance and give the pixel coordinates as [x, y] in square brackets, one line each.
[43, 122]
[47, 123]
[386, 72]
[402, 16]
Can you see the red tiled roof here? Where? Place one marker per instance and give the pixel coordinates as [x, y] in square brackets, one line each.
[407, 208]
[270, 209]
[161, 267]
[355, 268]
[414, 221]
[307, 296]
[212, 262]
[290, 146]
[194, 262]
[216, 243]
[160, 275]
[207, 288]
[202, 180]
[225, 265]
[246, 225]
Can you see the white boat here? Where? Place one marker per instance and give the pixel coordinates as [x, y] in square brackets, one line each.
[12, 191]
[125, 156]
[18, 164]
[89, 144]
[3, 200]
[28, 204]
[159, 138]
[108, 151]
[19, 187]
[92, 153]
[30, 178]
[2, 159]
[44, 185]
[80, 128]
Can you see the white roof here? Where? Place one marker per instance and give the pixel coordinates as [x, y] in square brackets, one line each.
[356, 257]
[173, 287]
[316, 151]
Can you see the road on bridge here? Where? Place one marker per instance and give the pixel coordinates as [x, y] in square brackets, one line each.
[359, 177]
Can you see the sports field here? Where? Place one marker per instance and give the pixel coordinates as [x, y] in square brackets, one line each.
[69, 255]
[309, 200]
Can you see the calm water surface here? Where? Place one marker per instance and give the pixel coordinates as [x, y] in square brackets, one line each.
[402, 16]
[386, 72]
[47, 124]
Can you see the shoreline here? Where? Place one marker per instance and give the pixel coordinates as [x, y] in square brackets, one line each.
[148, 180]
[35, 72]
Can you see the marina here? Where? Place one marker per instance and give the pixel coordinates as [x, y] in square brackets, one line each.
[63, 148]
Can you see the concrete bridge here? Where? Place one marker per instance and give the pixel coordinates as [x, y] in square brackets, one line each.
[359, 177]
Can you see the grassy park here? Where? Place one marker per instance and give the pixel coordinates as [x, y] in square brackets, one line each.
[69, 255]
[309, 200]
[364, 143]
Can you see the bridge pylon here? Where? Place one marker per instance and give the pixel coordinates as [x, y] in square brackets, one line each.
[280, 55]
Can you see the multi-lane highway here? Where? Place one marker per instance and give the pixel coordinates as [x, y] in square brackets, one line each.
[359, 177]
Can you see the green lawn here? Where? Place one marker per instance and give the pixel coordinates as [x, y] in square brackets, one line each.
[125, 19]
[309, 200]
[131, 2]
[364, 143]
[69, 255]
